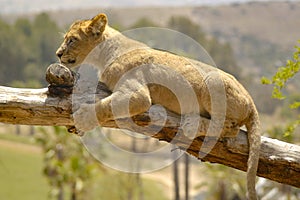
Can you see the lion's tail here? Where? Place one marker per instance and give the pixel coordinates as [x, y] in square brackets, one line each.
[253, 128]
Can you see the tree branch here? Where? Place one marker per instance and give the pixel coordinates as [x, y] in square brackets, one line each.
[279, 161]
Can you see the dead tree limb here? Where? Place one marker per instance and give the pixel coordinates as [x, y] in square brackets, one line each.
[279, 161]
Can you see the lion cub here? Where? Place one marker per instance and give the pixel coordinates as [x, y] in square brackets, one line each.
[140, 77]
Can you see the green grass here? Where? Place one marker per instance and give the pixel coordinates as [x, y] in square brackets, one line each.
[17, 138]
[21, 176]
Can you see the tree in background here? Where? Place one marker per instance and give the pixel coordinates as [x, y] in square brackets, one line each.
[46, 34]
[27, 48]
[67, 164]
[11, 54]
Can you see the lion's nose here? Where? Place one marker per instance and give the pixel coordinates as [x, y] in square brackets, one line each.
[59, 53]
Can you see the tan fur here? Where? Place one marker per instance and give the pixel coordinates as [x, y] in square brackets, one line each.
[131, 69]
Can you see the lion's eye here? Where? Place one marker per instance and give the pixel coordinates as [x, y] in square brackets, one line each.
[71, 40]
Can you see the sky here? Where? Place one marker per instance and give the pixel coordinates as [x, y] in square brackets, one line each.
[27, 6]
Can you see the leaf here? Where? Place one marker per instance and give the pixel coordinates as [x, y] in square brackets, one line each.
[74, 163]
[277, 94]
[291, 128]
[295, 105]
[266, 81]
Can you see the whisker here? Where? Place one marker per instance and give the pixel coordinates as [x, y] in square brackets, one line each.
[62, 34]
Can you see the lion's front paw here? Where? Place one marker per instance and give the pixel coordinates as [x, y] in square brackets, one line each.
[85, 118]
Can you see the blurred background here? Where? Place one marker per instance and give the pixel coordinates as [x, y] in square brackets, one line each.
[249, 39]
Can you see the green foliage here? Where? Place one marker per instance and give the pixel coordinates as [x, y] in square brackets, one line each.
[66, 163]
[291, 127]
[27, 48]
[281, 133]
[280, 79]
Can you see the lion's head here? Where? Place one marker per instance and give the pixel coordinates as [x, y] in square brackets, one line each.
[81, 39]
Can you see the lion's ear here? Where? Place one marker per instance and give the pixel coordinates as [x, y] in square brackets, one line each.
[98, 23]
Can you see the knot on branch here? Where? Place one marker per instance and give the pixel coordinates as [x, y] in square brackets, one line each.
[61, 80]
